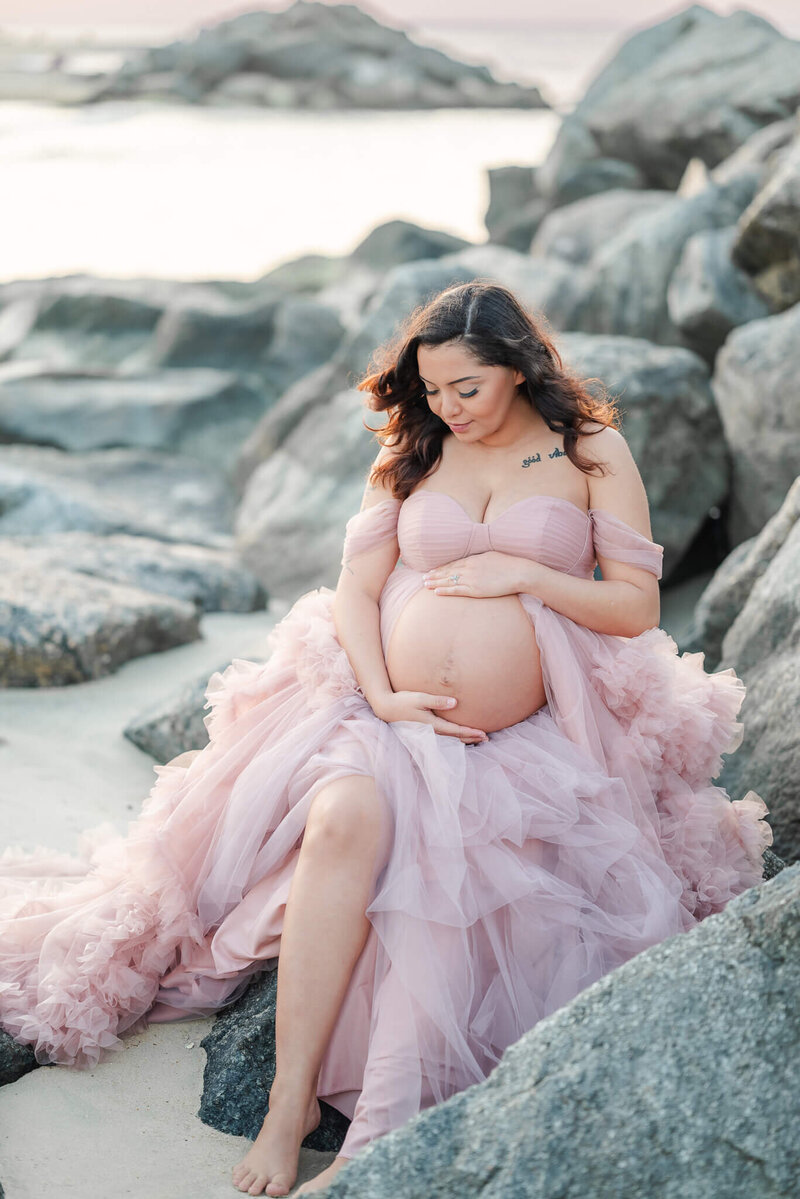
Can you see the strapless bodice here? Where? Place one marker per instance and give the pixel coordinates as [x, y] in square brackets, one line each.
[433, 528]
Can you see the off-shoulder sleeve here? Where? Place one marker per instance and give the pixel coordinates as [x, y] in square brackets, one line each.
[368, 529]
[615, 538]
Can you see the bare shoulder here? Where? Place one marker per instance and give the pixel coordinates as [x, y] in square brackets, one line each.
[377, 489]
[620, 489]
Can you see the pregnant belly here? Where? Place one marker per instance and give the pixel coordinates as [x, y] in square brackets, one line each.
[481, 651]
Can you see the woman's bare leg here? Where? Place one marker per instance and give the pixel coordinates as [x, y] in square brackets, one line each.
[345, 845]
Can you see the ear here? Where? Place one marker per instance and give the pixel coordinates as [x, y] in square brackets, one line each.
[519, 377]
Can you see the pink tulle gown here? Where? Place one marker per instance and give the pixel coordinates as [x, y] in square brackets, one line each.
[522, 869]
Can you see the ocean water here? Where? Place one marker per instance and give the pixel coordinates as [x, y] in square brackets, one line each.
[131, 188]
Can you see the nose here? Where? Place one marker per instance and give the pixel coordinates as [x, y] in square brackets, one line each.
[451, 408]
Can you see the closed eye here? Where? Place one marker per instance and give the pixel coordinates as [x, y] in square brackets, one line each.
[467, 396]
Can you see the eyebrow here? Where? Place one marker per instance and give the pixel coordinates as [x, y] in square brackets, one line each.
[463, 379]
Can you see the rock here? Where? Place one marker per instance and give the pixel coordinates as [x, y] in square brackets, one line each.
[637, 1087]
[86, 322]
[240, 1067]
[768, 234]
[724, 77]
[175, 725]
[763, 646]
[758, 156]
[325, 56]
[756, 383]
[393, 242]
[43, 490]
[510, 189]
[708, 295]
[60, 627]
[202, 413]
[624, 287]
[729, 589]
[15, 1059]
[577, 230]
[671, 425]
[210, 578]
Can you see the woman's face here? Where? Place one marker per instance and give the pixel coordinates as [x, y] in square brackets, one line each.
[472, 399]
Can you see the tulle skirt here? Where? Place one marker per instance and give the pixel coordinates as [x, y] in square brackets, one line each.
[520, 870]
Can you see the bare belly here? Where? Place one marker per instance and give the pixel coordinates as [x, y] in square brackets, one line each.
[481, 651]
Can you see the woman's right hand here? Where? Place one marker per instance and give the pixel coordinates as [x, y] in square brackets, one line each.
[418, 705]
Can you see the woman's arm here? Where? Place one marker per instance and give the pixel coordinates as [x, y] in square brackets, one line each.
[356, 616]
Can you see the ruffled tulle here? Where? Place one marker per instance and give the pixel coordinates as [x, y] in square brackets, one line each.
[521, 870]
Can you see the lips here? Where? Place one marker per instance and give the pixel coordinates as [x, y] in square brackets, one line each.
[460, 428]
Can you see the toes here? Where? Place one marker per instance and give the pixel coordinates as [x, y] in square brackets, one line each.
[246, 1180]
[258, 1186]
[282, 1181]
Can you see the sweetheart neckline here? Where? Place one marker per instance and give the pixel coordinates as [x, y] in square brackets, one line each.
[556, 499]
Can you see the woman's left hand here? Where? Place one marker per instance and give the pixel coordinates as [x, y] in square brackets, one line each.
[481, 575]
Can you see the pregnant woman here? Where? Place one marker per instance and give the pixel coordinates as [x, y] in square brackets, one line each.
[463, 787]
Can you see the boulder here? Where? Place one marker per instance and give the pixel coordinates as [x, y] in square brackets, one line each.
[325, 56]
[576, 231]
[624, 287]
[767, 244]
[60, 627]
[240, 1067]
[43, 490]
[636, 1087]
[15, 1059]
[763, 646]
[727, 592]
[756, 383]
[175, 725]
[708, 295]
[670, 422]
[210, 578]
[203, 413]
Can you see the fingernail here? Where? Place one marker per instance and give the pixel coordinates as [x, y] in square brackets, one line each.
[451, 702]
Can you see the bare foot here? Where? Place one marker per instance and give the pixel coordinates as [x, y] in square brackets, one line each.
[323, 1179]
[270, 1167]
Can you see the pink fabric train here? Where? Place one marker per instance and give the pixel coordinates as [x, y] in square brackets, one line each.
[522, 869]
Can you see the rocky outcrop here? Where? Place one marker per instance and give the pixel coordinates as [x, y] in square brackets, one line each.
[708, 295]
[315, 56]
[768, 234]
[577, 231]
[45, 490]
[757, 389]
[636, 1087]
[15, 1059]
[59, 627]
[725, 77]
[210, 578]
[240, 1067]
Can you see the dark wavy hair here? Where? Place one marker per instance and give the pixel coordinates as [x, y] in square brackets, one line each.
[495, 327]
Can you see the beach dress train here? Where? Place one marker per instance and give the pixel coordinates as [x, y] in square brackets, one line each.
[521, 869]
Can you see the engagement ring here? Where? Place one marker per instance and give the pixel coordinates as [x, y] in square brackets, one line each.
[454, 578]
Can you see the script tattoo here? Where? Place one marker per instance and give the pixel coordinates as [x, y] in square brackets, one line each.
[557, 453]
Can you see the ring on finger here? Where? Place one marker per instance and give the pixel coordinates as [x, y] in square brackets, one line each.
[454, 578]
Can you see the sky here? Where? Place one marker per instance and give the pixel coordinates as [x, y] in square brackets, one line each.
[83, 15]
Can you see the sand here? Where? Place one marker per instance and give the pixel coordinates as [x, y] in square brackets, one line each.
[128, 1127]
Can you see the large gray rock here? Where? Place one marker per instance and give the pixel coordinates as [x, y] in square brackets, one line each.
[756, 384]
[60, 627]
[203, 413]
[210, 578]
[638, 1087]
[703, 96]
[176, 724]
[576, 231]
[15, 1059]
[624, 288]
[335, 56]
[43, 489]
[708, 295]
[240, 1067]
[670, 422]
[763, 646]
[727, 592]
[768, 235]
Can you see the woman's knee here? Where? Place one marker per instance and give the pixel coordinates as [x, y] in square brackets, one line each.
[350, 814]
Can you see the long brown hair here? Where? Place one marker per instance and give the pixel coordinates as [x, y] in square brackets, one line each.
[495, 327]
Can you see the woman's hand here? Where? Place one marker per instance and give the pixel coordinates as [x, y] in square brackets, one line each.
[418, 705]
[482, 575]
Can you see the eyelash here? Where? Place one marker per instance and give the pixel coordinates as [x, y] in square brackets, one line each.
[468, 396]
